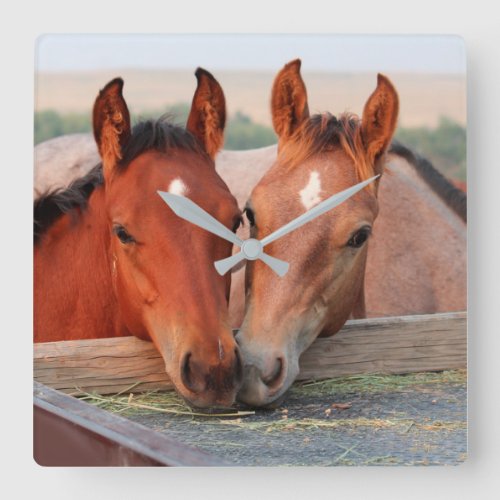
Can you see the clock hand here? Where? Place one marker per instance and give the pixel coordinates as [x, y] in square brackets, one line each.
[188, 210]
[280, 267]
[224, 265]
[316, 211]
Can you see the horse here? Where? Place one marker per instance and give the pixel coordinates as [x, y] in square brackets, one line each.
[412, 219]
[111, 258]
[394, 284]
[417, 258]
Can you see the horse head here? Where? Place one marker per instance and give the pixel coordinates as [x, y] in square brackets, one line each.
[162, 267]
[318, 156]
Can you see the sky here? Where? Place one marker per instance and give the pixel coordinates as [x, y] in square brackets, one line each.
[329, 53]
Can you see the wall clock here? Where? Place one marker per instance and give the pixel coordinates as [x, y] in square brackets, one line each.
[337, 199]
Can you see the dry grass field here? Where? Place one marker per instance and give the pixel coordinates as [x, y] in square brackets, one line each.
[424, 97]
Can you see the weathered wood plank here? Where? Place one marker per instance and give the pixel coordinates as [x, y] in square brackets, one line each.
[394, 345]
[69, 432]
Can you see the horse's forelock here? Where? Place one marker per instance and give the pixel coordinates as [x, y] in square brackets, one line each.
[322, 133]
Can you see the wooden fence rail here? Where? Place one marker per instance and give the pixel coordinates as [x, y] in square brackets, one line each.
[400, 344]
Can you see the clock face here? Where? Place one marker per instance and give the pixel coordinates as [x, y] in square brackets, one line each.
[276, 210]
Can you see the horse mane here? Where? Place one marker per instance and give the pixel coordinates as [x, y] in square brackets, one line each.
[322, 133]
[159, 135]
[455, 198]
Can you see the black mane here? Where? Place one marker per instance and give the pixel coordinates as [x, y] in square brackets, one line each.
[158, 135]
[450, 194]
[52, 205]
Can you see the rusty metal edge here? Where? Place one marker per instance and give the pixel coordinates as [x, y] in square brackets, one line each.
[70, 432]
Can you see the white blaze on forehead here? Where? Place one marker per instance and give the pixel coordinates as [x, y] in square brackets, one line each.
[178, 187]
[310, 195]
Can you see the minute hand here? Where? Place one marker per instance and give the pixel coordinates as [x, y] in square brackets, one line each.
[316, 211]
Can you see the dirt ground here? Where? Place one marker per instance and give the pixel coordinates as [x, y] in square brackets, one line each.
[418, 419]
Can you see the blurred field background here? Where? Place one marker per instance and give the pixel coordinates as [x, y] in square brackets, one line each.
[432, 105]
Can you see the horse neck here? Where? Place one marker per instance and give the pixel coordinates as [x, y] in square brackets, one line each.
[73, 294]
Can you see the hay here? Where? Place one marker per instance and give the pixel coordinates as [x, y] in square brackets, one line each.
[129, 404]
[317, 423]
[154, 401]
[377, 383]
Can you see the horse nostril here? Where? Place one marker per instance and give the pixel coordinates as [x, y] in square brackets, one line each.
[191, 376]
[186, 374]
[274, 378]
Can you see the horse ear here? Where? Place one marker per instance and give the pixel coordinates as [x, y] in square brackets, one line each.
[208, 112]
[111, 123]
[379, 118]
[289, 106]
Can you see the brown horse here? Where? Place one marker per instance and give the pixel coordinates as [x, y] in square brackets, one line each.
[416, 267]
[111, 259]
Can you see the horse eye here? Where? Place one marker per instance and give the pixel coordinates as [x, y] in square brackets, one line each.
[122, 234]
[358, 238]
[250, 216]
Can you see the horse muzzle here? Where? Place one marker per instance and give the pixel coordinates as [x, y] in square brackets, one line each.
[205, 385]
[266, 378]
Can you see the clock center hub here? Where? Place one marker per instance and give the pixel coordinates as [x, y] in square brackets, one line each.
[251, 248]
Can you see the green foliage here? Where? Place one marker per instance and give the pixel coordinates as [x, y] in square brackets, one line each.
[444, 146]
[242, 133]
[177, 113]
[50, 124]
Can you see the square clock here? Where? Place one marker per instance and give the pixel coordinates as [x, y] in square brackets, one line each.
[250, 250]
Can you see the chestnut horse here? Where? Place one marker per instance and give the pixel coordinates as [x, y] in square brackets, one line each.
[112, 259]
